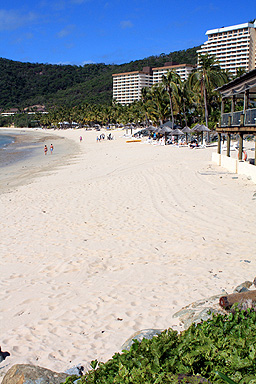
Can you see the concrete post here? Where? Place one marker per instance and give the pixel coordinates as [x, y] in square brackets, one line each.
[240, 153]
[254, 149]
[219, 144]
[228, 144]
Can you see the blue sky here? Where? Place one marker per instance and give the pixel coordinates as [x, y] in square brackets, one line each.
[110, 31]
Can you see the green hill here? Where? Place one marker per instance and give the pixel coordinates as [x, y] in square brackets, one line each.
[24, 84]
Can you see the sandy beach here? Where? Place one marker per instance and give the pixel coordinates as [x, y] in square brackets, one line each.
[105, 239]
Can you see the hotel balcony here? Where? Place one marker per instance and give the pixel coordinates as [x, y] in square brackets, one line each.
[239, 119]
[238, 122]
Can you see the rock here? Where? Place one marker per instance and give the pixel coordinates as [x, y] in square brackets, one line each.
[200, 310]
[204, 315]
[32, 374]
[3, 355]
[76, 370]
[243, 287]
[140, 335]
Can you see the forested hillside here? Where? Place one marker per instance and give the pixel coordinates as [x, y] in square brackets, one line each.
[25, 84]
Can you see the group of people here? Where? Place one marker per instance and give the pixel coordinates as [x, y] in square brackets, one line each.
[46, 149]
[102, 137]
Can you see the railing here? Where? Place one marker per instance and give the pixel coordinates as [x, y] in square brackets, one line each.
[237, 119]
[250, 117]
[225, 117]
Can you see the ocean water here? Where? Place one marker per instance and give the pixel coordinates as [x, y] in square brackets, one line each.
[17, 146]
[5, 140]
[9, 148]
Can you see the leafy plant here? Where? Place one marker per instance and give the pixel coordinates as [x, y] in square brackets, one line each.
[226, 378]
[225, 344]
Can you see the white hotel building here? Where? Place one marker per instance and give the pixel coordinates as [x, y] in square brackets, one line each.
[234, 47]
[127, 86]
[183, 70]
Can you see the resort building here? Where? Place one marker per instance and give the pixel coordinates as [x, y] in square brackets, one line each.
[234, 47]
[127, 86]
[183, 70]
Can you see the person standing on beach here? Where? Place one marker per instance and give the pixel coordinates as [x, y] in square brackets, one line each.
[51, 148]
[81, 139]
[45, 149]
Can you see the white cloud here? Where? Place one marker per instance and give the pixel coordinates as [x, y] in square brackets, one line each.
[11, 20]
[23, 37]
[88, 62]
[66, 31]
[126, 24]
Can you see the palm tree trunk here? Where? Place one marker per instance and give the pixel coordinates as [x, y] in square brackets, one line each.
[205, 107]
[170, 97]
[185, 116]
[206, 113]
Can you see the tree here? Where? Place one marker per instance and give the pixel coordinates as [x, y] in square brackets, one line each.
[239, 72]
[158, 103]
[145, 96]
[206, 77]
[171, 82]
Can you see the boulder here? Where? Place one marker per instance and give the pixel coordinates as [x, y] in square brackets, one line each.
[32, 374]
[140, 335]
[244, 287]
[200, 310]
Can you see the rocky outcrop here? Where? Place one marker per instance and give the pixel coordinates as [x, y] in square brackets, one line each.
[203, 310]
[140, 335]
[32, 374]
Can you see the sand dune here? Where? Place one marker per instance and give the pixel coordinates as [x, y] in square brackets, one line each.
[117, 239]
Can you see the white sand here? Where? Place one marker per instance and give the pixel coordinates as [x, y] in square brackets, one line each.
[121, 231]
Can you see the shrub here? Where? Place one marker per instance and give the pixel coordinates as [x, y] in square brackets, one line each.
[224, 343]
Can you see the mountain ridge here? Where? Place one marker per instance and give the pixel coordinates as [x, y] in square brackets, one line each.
[24, 84]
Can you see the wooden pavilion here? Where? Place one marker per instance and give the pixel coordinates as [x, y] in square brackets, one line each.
[242, 122]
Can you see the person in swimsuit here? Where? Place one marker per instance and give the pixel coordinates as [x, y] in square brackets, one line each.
[45, 149]
[51, 148]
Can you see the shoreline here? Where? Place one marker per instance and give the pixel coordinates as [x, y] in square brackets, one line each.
[27, 159]
[115, 239]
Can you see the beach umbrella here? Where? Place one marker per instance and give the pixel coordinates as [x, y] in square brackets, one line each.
[168, 124]
[177, 132]
[157, 130]
[186, 130]
[165, 129]
[129, 126]
[200, 128]
[151, 128]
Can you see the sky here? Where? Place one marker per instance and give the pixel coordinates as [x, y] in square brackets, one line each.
[80, 32]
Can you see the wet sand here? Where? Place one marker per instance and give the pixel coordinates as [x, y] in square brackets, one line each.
[25, 159]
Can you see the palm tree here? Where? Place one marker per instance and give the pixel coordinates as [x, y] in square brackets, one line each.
[208, 76]
[171, 82]
[145, 95]
[158, 109]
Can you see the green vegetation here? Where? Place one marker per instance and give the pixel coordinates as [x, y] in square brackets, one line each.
[207, 77]
[25, 84]
[84, 94]
[224, 346]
